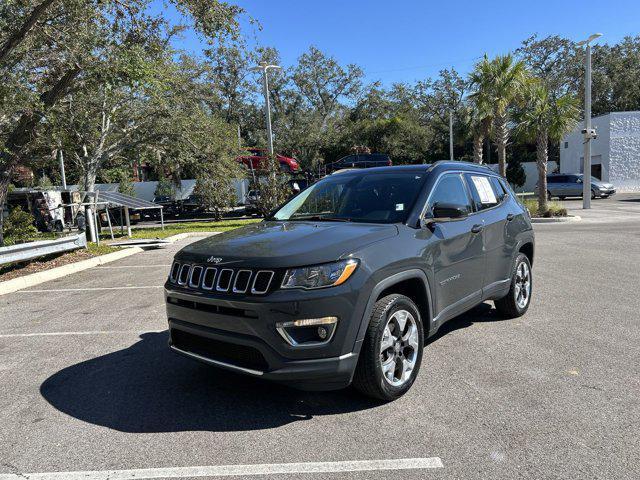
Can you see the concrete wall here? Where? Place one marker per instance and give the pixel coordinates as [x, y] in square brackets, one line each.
[572, 148]
[146, 190]
[531, 171]
[625, 151]
[617, 150]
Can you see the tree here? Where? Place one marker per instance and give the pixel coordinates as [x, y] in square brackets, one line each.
[46, 47]
[543, 118]
[516, 175]
[125, 185]
[272, 187]
[501, 81]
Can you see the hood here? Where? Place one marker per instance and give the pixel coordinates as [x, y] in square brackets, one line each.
[599, 183]
[286, 244]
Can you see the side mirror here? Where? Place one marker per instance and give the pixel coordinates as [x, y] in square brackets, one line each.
[449, 211]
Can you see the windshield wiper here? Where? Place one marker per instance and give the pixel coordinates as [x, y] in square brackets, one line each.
[320, 218]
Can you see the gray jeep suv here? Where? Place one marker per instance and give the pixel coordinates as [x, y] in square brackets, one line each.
[345, 282]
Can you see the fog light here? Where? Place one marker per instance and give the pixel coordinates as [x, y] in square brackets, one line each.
[308, 331]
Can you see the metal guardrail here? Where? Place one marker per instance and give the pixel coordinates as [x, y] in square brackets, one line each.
[31, 250]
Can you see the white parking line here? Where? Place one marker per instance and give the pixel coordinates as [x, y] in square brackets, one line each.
[95, 289]
[58, 334]
[236, 470]
[104, 267]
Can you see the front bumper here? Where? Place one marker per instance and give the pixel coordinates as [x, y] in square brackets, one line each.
[606, 192]
[238, 333]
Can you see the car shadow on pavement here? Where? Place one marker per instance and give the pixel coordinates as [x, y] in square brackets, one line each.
[148, 388]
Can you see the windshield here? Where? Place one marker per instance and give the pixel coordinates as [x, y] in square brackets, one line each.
[374, 198]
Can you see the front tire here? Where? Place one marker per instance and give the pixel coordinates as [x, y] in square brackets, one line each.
[392, 349]
[516, 302]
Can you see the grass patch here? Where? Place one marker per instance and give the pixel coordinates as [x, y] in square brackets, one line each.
[175, 228]
[554, 208]
[95, 250]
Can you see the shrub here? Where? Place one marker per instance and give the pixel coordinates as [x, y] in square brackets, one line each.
[19, 227]
[554, 209]
[125, 185]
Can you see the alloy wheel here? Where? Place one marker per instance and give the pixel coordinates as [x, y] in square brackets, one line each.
[522, 289]
[399, 348]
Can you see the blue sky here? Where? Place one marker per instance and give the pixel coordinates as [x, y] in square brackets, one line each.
[406, 40]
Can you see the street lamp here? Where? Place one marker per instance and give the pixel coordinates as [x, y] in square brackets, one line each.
[588, 132]
[264, 66]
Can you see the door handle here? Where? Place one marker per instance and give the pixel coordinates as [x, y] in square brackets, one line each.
[476, 228]
[510, 217]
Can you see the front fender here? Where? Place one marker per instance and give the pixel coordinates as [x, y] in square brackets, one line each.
[394, 279]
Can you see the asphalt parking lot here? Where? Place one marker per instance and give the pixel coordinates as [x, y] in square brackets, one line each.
[88, 383]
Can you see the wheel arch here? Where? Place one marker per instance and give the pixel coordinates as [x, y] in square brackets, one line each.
[412, 283]
[528, 249]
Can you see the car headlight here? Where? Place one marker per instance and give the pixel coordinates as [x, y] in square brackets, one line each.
[319, 276]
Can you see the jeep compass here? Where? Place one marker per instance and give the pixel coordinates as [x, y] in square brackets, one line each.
[344, 283]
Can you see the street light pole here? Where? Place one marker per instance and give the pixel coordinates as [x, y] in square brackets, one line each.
[450, 135]
[589, 133]
[265, 86]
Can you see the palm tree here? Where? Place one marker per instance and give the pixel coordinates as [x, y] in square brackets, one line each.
[499, 82]
[481, 119]
[545, 118]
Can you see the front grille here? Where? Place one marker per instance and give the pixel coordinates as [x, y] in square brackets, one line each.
[240, 355]
[222, 280]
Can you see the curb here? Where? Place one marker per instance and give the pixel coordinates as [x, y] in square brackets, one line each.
[26, 281]
[570, 218]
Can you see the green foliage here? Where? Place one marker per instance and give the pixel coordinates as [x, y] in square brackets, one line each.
[515, 173]
[554, 209]
[165, 188]
[214, 186]
[272, 186]
[44, 182]
[125, 185]
[19, 227]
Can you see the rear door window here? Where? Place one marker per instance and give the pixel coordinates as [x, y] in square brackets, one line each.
[482, 192]
[498, 188]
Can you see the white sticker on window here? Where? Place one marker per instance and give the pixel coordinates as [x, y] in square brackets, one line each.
[399, 207]
[486, 193]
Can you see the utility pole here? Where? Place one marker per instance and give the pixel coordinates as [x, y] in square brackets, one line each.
[62, 174]
[450, 134]
[264, 66]
[588, 132]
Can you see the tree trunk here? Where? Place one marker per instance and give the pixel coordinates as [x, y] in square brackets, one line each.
[501, 133]
[23, 133]
[4, 189]
[478, 141]
[19, 35]
[541, 161]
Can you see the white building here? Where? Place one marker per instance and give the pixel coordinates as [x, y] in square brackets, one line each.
[615, 154]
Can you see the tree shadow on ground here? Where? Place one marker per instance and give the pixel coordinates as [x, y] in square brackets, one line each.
[147, 388]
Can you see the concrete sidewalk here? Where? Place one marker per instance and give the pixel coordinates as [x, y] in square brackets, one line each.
[623, 207]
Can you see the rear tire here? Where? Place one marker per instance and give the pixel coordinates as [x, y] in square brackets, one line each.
[392, 349]
[516, 302]
[593, 195]
[548, 195]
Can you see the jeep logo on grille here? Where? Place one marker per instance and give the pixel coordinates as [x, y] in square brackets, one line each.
[214, 259]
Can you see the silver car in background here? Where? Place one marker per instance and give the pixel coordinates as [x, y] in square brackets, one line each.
[562, 185]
